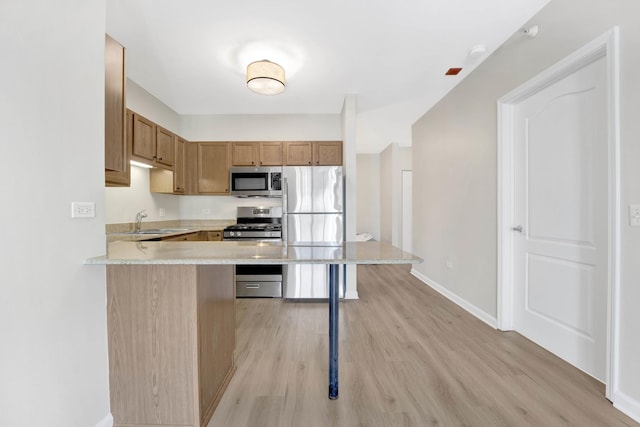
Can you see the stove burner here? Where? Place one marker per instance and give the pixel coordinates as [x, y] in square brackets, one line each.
[258, 231]
[255, 227]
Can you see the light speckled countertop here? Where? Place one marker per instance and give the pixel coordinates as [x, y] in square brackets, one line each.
[251, 253]
[123, 232]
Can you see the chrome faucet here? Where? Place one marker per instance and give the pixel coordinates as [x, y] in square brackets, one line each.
[139, 216]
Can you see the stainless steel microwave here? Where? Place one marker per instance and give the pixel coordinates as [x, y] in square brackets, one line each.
[249, 181]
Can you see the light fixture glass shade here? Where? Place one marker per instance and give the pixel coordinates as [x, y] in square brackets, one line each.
[265, 77]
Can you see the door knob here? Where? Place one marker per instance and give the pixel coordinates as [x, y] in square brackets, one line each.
[518, 228]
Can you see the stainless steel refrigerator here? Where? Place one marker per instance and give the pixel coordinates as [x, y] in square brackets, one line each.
[313, 215]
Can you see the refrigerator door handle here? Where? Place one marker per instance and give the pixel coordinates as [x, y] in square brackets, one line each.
[285, 211]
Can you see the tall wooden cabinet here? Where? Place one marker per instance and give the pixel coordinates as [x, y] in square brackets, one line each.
[171, 337]
[116, 149]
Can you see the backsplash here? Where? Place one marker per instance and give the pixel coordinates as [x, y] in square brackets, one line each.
[122, 203]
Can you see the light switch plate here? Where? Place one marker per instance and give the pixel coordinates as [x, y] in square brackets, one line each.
[634, 215]
[83, 209]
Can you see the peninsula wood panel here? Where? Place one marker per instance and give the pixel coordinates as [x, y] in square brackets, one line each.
[152, 325]
[171, 342]
[216, 334]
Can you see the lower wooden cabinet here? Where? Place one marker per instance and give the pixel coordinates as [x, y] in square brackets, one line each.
[171, 334]
[187, 237]
[211, 236]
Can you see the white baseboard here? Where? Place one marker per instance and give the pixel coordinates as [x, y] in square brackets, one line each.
[466, 305]
[351, 295]
[627, 405]
[106, 422]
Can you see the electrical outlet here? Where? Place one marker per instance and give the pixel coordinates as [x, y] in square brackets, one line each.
[83, 209]
[634, 215]
[449, 265]
[206, 211]
[161, 212]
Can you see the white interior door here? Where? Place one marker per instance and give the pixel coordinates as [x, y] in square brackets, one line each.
[560, 255]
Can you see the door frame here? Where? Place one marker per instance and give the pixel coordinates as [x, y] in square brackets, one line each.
[606, 46]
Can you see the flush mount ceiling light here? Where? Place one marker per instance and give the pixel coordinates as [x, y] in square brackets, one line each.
[265, 77]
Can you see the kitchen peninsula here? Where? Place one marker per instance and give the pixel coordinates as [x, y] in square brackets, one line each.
[170, 309]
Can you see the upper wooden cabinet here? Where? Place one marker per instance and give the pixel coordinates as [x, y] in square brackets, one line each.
[179, 166]
[165, 146]
[327, 153]
[317, 153]
[271, 153]
[171, 181]
[256, 153]
[152, 144]
[298, 153]
[116, 154]
[245, 153]
[214, 161]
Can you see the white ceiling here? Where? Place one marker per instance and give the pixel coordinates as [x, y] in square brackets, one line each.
[192, 54]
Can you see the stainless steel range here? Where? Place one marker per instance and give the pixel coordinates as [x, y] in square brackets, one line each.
[257, 224]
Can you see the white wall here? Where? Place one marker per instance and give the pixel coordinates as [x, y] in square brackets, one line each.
[393, 160]
[368, 195]
[53, 355]
[219, 207]
[122, 203]
[349, 114]
[454, 147]
[142, 102]
[262, 127]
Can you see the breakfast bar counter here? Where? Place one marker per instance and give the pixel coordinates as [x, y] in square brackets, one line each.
[251, 252]
[171, 320]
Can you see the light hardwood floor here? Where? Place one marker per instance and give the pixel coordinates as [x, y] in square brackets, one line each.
[408, 357]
